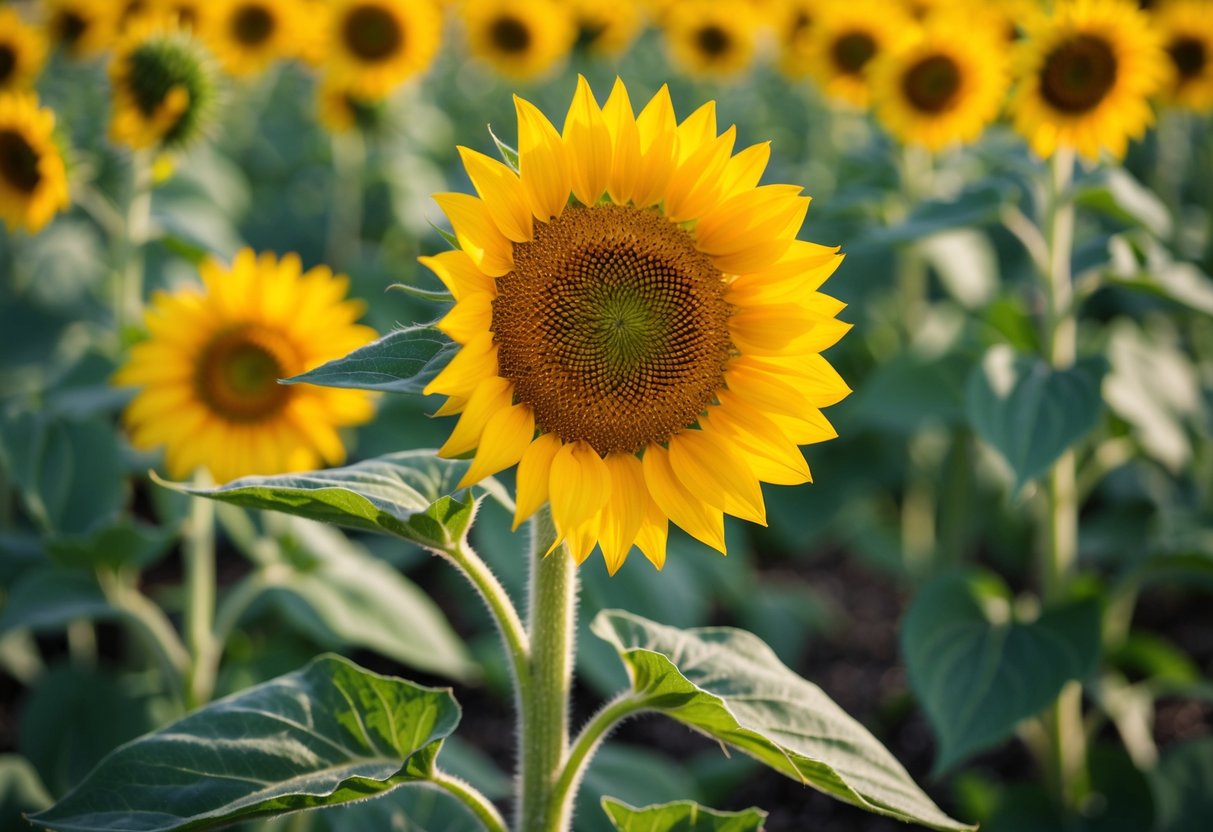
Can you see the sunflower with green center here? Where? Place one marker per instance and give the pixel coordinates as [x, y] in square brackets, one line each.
[33, 177]
[519, 38]
[249, 35]
[945, 84]
[710, 38]
[1186, 28]
[22, 52]
[844, 41]
[1084, 76]
[371, 46]
[640, 327]
[208, 372]
[162, 83]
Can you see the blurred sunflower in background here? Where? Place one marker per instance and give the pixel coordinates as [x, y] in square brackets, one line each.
[371, 46]
[1186, 29]
[1084, 76]
[640, 328]
[189, 14]
[793, 21]
[22, 52]
[607, 27]
[339, 109]
[945, 84]
[248, 35]
[81, 27]
[33, 177]
[846, 38]
[209, 370]
[162, 85]
[710, 37]
[519, 38]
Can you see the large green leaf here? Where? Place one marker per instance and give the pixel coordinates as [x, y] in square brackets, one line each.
[683, 816]
[403, 361]
[47, 599]
[410, 494]
[1114, 192]
[978, 671]
[328, 734]
[124, 544]
[1030, 412]
[729, 685]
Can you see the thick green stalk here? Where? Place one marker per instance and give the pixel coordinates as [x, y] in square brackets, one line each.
[128, 295]
[543, 734]
[477, 803]
[199, 552]
[587, 743]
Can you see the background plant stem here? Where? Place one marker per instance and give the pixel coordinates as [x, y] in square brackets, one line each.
[128, 301]
[345, 218]
[199, 552]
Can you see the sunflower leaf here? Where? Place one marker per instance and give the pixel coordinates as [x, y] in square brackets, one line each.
[728, 684]
[410, 494]
[403, 361]
[325, 735]
[681, 816]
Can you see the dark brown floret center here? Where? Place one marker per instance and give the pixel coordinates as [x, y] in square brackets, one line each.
[252, 25]
[18, 162]
[372, 33]
[1078, 74]
[509, 34]
[713, 41]
[933, 84]
[237, 377]
[1188, 55]
[69, 27]
[613, 327]
[852, 51]
[8, 62]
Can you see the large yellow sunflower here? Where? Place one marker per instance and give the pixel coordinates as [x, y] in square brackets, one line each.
[373, 45]
[249, 35]
[712, 37]
[82, 27]
[519, 38]
[1186, 27]
[22, 51]
[209, 370]
[33, 178]
[1084, 76]
[640, 328]
[943, 86]
[846, 38]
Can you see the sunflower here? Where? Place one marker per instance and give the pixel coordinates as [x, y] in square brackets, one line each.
[82, 27]
[22, 52]
[712, 37]
[33, 178]
[189, 14]
[846, 38]
[339, 109]
[1084, 76]
[249, 35]
[640, 329]
[607, 27]
[373, 45]
[162, 85]
[519, 38]
[945, 85]
[1186, 27]
[793, 22]
[209, 370]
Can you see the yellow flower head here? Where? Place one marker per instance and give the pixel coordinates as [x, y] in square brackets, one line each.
[190, 15]
[710, 38]
[847, 38]
[1186, 27]
[945, 84]
[371, 46]
[82, 27]
[339, 109]
[1084, 76]
[519, 38]
[208, 372]
[794, 21]
[641, 330]
[607, 27]
[22, 52]
[162, 85]
[33, 178]
[249, 35]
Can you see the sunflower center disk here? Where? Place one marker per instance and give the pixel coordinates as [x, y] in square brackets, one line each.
[238, 377]
[252, 25]
[1188, 55]
[613, 327]
[8, 62]
[852, 51]
[932, 84]
[713, 41]
[510, 35]
[18, 162]
[69, 27]
[372, 33]
[1078, 74]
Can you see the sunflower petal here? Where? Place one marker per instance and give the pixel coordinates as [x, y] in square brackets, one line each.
[542, 162]
[534, 472]
[625, 511]
[478, 235]
[710, 468]
[502, 193]
[491, 396]
[579, 487]
[459, 273]
[507, 435]
[698, 519]
[588, 143]
[475, 362]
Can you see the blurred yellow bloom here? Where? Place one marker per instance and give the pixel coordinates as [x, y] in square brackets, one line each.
[249, 35]
[22, 52]
[371, 46]
[33, 178]
[712, 37]
[640, 329]
[82, 27]
[794, 21]
[1186, 27]
[519, 38]
[607, 27]
[843, 42]
[208, 372]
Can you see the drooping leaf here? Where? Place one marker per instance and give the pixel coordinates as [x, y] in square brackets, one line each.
[124, 544]
[410, 494]
[403, 361]
[1182, 784]
[325, 735]
[911, 391]
[974, 207]
[728, 684]
[46, 599]
[978, 671]
[1115, 193]
[683, 816]
[1031, 413]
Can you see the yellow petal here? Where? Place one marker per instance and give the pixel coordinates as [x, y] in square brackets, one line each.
[580, 541]
[459, 273]
[700, 520]
[542, 162]
[744, 171]
[507, 435]
[475, 362]
[695, 184]
[696, 131]
[816, 379]
[654, 530]
[468, 318]
[625, 173]
[579, 486]
[502, 193]
[478, 235]
[709, 468]
[805, 427]
[765, 448]
[625, 511]
[534, 471]
[802, 268]
[452, 405]
[768, 393]
[758, 214]
[658, 144]
[588, 144]
[492, 396]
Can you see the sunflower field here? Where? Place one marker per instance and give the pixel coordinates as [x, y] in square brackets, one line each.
[383, 384]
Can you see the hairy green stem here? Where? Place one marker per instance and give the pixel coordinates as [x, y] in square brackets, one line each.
[199, 553]
[586, 744]
[477, 803]
[151, 625]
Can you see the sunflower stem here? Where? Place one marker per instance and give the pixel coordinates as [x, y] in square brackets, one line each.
[345, 219]
[199, 553]
[543, 729]
[587, 743]
[128, 295]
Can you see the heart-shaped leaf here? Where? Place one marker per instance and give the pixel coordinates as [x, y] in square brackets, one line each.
[328, 734]
[978, 671]
[683, 816]
[1030, 412]
[403, 361]
[729, 685]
